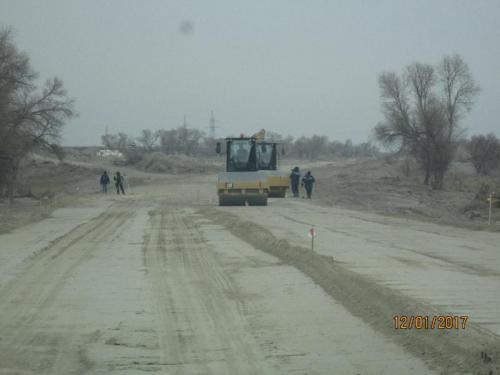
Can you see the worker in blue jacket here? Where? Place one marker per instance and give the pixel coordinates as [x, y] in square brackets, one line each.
[294, 181]
[307, 183]
[104, 181]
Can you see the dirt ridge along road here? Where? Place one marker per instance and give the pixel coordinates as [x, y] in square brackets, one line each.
[449, 351]
[32, 291]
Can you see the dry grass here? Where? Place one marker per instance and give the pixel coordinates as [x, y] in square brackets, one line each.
[391, 187]
[46, 178]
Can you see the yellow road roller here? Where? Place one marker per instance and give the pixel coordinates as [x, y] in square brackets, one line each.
[242, 183]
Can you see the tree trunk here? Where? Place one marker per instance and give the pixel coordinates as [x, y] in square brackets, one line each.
[427, 175]
[11, 180]
[437, 181]
[10, 190]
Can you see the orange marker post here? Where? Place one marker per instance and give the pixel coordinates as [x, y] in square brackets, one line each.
[312, 234]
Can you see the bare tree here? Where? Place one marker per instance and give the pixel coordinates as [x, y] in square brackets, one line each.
[422, 109]
[189, 140]
[168, 141]
[347, 149]
[110, 141]
[484, 153]
[300, 147]
[365, 149]
[29, 119]
[459, 90]
[120, 141]
[148, 139]
[317, 146]
[182, 140]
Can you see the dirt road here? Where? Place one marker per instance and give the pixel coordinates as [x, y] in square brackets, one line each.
[164, 281]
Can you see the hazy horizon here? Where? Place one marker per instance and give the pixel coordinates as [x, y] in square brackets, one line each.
[297, 68]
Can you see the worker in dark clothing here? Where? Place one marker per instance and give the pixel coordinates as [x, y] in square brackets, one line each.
[294, 181]
[104, 182]
[307, 183]
[119, 183]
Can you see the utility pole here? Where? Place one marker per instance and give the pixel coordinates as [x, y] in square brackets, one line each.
[212, 127]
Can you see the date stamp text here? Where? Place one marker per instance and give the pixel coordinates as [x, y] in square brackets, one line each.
[430, 322]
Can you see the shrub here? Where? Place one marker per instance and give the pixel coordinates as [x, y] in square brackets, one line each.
[484, 153]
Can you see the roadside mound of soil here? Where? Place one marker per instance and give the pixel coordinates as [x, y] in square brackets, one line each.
[395, 188]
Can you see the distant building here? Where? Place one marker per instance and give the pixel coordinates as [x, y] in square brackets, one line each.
[106, 153]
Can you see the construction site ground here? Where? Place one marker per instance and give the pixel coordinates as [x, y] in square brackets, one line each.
[163, 280]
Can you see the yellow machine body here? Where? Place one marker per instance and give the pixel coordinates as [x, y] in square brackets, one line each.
[267, 162]
[242, 188]
[278, 182]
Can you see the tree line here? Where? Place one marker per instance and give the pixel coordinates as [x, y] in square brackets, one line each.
[31, 116]
[188, 141]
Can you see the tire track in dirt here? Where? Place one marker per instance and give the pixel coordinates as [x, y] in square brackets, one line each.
[32, 292]
[452, 351]
[200, 327]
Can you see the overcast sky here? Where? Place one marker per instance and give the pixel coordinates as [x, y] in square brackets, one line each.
[294, 67]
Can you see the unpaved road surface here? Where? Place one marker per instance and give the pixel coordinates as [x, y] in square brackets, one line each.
[164, 281]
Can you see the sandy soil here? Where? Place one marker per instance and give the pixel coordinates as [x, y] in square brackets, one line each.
[162, 280]
[46, 184]
[390, 187]
[379, 267]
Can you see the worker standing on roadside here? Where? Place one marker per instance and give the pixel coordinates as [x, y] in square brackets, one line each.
[307, 182]
[104, 182]
[119, 183]
[294, 181]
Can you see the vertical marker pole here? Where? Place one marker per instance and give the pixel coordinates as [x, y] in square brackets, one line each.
[127, 184]
[489, 212]
[312, 234]
[490, 199]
